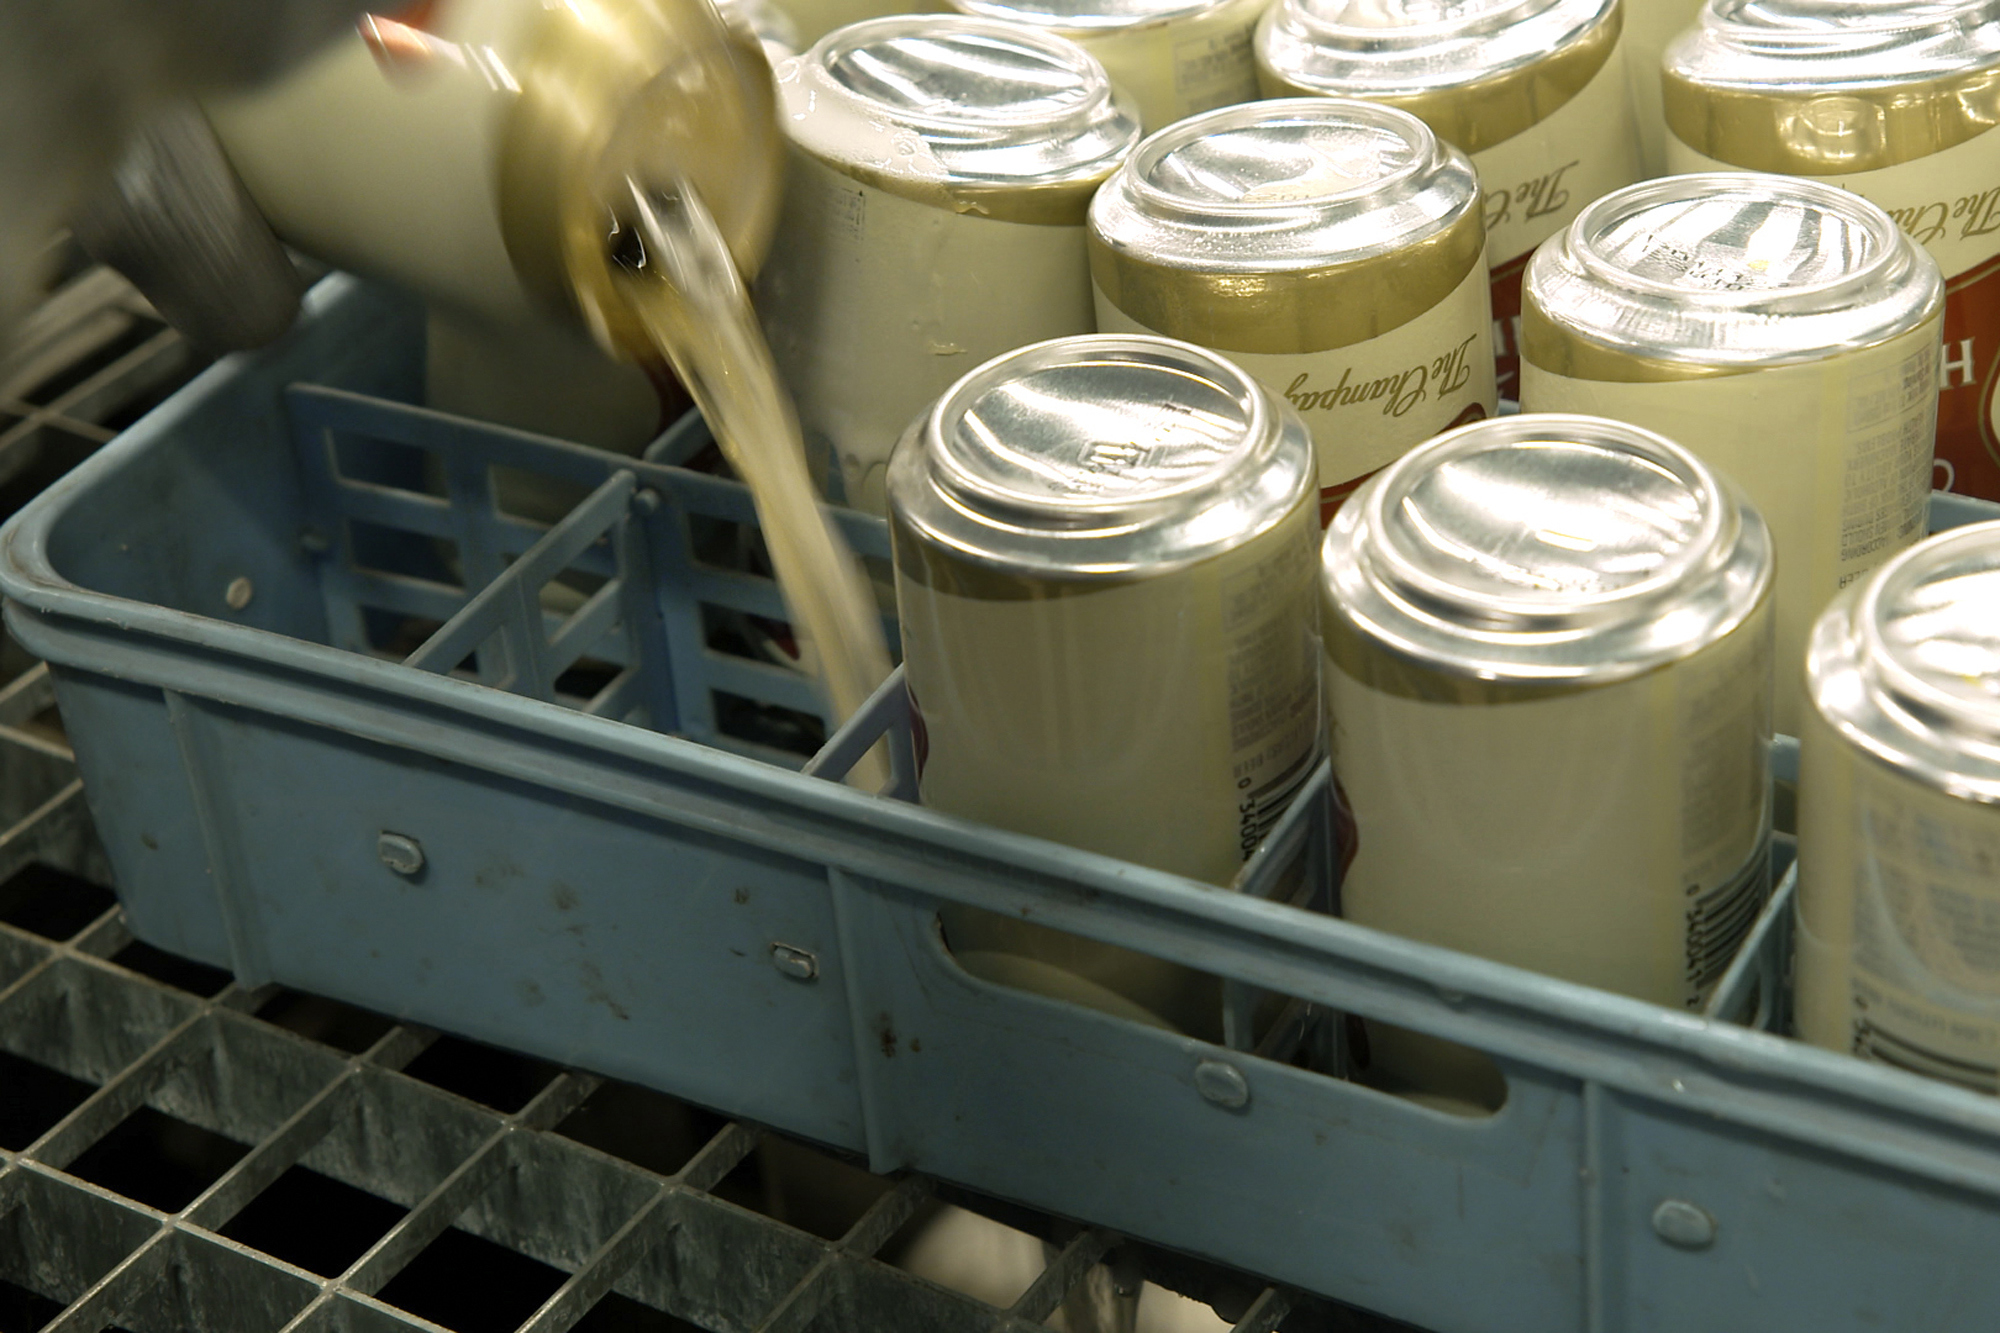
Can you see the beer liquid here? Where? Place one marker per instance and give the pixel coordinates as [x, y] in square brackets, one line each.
[667, 287]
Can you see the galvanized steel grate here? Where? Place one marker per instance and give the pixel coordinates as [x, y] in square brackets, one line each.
[179, 1153]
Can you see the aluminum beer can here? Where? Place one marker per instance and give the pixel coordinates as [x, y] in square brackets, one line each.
[1175, 57]
[939, 171]
[1894, 102]
[1650, 25]
[1104, 568]
[1783, 330]
[1332, 248]
[1899, 816]
[1534, 91]
[1548, 642]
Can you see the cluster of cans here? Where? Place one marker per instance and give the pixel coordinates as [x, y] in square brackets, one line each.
[1207, 478]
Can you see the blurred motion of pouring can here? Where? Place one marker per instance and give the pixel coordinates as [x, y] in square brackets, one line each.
[1104, 568]
[939, 175]
[1174, 57]
[1899, 816]
[1895, 102]
[1332, 248]
[1784, 331]
[1548, 642]
[1534, 91]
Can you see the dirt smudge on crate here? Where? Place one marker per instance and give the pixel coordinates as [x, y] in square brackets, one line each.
[563, 896]
[151, 843]
[492, 876]
[531, 994]
[885, 1031]
[595, 991]
[741, 896]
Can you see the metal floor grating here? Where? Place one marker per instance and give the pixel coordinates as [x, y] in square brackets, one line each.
[180, 1153]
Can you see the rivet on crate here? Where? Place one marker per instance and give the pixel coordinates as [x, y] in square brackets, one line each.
[1221, 1085]
[239, 592]
[645, 502]
[1684, 1225]
[400, 852]
[800, 964]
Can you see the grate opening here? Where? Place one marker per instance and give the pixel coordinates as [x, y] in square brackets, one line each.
[135, 335]
[341, 1026]
[499, 1079]
[157, 1159]
[172, 970]
[313, 1221]
[811, 1190]
[472, 1285]
[645, 1128]
[36, 1097]
[51, 903]
[618, 1314]
[22, 1311]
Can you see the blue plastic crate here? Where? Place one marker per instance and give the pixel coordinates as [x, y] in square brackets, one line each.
[464, 828]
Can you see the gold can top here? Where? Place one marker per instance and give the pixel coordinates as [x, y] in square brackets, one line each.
[1291, 225]
[1830, 87]
[970, 115]
[1718, 273]
[1478, 72]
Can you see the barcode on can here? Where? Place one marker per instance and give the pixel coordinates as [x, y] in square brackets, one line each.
[1873, 1043]
[1260, 809]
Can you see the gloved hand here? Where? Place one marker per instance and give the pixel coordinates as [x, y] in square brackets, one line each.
[176, 221]
[77, 78]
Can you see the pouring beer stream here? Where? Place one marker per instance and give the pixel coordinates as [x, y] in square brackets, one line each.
[669, 289]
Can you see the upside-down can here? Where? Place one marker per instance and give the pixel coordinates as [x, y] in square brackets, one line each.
[1534, 91]
[940, 168]
[1784, 331]
[1899, 816]
[1548, 650]
[1332, 248]
[1104, 568]
[1895, 102]
[1175, 57]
